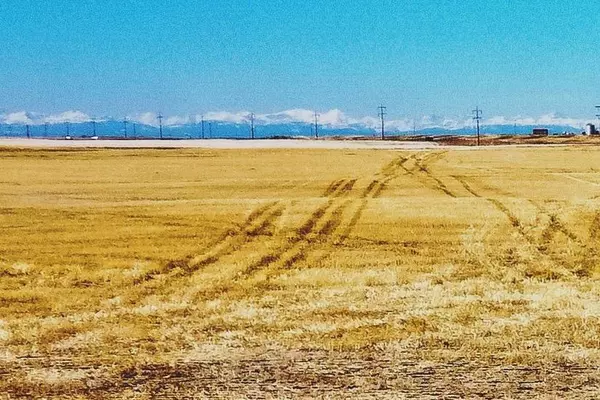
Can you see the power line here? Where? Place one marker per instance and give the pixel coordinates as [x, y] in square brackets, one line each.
[477, 118]
[382, 114]
[316, 125]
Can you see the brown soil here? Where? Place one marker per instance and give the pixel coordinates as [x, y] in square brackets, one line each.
[302, 374]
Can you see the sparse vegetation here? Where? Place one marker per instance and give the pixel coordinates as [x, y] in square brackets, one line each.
[300, 273]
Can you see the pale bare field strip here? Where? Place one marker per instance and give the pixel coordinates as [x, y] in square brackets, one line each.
[300, 273]
[216, 144]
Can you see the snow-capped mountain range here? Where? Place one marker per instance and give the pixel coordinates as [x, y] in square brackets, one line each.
[296, 122]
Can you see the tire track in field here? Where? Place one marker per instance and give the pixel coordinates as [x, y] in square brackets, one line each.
[320, 227]
[423, 165]
[333, 186]
[374, 190]
[466, 185]
[258, 223]
[327, 219]
[595, 228]
[391, 171]
[261, 225]
[548, 235]
[428, 179]
[340, 187]
[554, 226]
[513, 219]
[324, 220]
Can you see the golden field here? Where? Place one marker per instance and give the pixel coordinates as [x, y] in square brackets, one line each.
[138, 274]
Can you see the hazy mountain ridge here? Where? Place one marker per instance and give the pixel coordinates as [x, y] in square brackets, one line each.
[296, 122]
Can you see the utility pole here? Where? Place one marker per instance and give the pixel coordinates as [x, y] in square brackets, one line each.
[27, 128]
[160, 119]
[45, 129]
[252, 116]
[316, 125]
[125, 122]
[94, 126]
[210, 130]
[68, 128]
[382, 114]
[202, 122]
[477, 112]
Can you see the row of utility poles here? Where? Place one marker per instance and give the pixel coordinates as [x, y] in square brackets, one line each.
[477, 118]
[382, 112]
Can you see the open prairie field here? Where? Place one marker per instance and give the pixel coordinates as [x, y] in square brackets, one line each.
[290, 273]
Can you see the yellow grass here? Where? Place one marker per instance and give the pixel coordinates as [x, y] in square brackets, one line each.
[119, 268]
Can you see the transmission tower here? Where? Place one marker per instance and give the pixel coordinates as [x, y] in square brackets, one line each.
[160, 126]
[252, 132]
[27, 129]
[125, 122]
[477, 112]
[316, 125]
[382, 114]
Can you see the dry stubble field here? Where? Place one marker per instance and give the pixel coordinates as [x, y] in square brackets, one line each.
[142, 274]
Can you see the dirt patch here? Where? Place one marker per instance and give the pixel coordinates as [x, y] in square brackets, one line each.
[328, 375]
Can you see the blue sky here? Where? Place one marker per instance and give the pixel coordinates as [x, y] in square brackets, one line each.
[109, 57]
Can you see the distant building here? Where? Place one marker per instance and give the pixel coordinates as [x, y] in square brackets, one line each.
[590, 129]
[540, 132]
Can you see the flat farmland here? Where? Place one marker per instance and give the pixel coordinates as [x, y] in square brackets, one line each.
[300, 273]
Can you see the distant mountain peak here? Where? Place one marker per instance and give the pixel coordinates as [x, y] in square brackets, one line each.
[299, 122]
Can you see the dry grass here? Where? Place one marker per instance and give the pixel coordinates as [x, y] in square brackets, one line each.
[299, 273]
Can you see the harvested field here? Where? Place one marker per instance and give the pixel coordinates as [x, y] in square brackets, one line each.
[300, 273]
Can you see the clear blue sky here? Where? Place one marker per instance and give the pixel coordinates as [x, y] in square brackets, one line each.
[114, 57]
